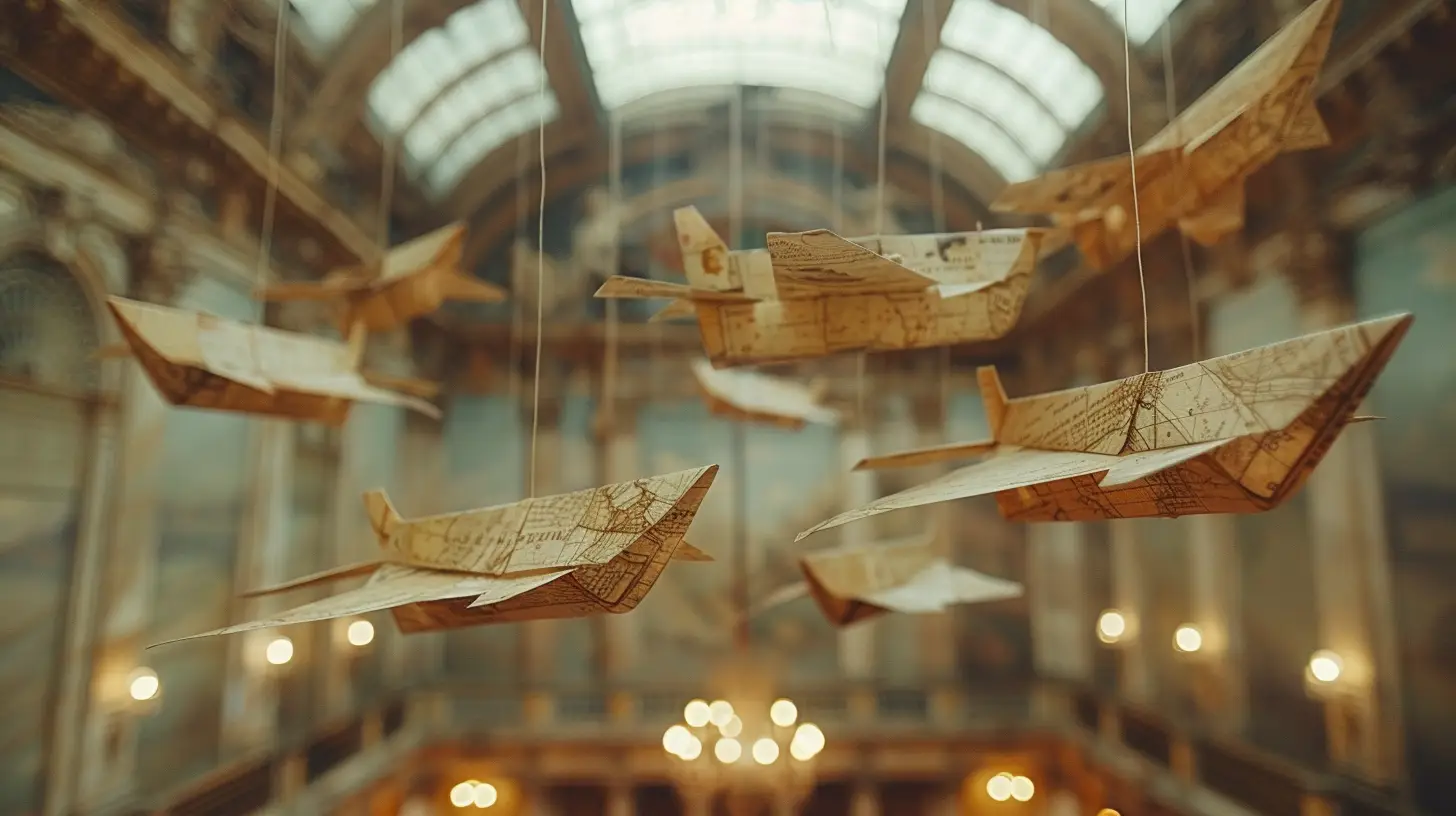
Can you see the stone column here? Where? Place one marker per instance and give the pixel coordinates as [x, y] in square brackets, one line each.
[619, 800]
[250, 700]
[856, 643]
[1135, 678]
[537, 642]
[936, 630]
[1214, 578]
[348, 539]
[1061, 634]
[618, 637]
[424, 488]
[82, 771]
[1353, 586]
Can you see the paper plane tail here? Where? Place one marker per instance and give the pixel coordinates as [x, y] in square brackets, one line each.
[462, 287]
[115, 351]
[322, 577]
[705, 254]
[926, 456]
[993, 397]
[413, 386]
[676, 310]
[1355, 419]
[687, 552]
[382, 516]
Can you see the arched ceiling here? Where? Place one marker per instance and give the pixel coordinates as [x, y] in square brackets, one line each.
[467, 82]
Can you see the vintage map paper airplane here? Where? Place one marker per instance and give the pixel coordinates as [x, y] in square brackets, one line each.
[1190, 176]
[200, 360]
[755, 397]
[1234, 434]
[571, 555]
[811, 294]
[415, 279]
[859, 582]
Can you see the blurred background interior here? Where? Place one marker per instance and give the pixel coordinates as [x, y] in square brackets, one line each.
[1300, 662]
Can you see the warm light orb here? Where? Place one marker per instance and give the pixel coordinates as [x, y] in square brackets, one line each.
[696, 713]
[143, 684]
[360, 633]
[732, 728]
[765, 751]
[692, 749]
[485, 795]
[1021, 789]
[1326, 666]
[463, 794]
[1108, 812]
[1187, 638]
[720, 712]
[727, 750]
[998, 787]
[675, 739]
[279, 651]
[1111, 626]
[808, 741]
[783, 713]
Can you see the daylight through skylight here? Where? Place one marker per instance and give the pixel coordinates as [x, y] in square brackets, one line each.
[1144, 17]
[637, 48]
[1005, 88]
[326, 21]
[459, 91]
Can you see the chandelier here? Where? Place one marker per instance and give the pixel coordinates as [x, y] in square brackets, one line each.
[746, 754]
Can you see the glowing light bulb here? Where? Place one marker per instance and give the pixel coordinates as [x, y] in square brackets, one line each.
[808, 741]
[691, 749]
[1187, 638]
[485, 795]
[279, 651]
[765, 751]
[998, 787]
[675, 739]
[1111, 626]
[1326, 666]
[1021, 789]
[720, 712]
[696, 713]
[143, 684]
[1108, 812]
[463, 794]
[732, 728]
[360, 633]
[728, 750]
[783, 713]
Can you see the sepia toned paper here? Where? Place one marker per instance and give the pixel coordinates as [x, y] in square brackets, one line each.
[413, 280]
[856, 583]
[755, 397]
[812, 294]
[1234, 434]
[200, 360]
[572, 555]
[1190, 176]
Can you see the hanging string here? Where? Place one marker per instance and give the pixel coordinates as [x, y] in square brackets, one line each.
[391, 143]
[880, 147]
[1170, 96]
[540, 255]
[937, 214]
[1132, 160]
[609, 364]
[518, 310]
[275, 146]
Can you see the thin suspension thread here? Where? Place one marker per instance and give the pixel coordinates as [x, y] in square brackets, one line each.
[275, 146]
[540, 258]
[1170, 95]
[1132, 160]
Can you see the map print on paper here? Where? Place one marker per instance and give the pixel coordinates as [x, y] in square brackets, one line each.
[1191, 174]
[812, 294]
[199, 360]
[412, 280]
[860, 582]
[1234, 434]
[572, 555]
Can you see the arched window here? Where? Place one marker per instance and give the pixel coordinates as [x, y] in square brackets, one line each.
[325, 22]
[459, 91]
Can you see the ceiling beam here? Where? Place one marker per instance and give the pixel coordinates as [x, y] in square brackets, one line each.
[919, 37]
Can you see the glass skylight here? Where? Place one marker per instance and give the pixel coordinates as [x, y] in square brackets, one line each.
[459, 91]
[1005, 88]
[1144, 17]
[326, 21]
[638, 48]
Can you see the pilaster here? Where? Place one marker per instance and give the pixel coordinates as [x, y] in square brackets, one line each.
[1214, 583]
[538, 637]
[857, 642]
[1061, 633]
[865, 799]
[618, 636]
[936, 630]
[1136, 677]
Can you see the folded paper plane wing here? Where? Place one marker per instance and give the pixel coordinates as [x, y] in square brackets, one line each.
[818, 262]
[687, 552]
[754, 396]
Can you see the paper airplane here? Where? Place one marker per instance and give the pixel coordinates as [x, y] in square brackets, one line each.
[755, 397]
[571, 555]
[200, 360]
[1191, 174]
[811, 294]
[414, 280]
[1234, 434]
[859, 582]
